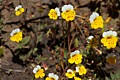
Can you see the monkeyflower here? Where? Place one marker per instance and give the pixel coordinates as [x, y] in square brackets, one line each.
[111, 58]
[52, 76]
[96, 21]
[109, 39]
[16, 35]
[70, 73]
[75, 57]
[81, 70]
[54, 13]
[39, 72]
[19, 10]
[68, 12]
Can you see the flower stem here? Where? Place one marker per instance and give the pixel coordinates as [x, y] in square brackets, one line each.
[69, 26]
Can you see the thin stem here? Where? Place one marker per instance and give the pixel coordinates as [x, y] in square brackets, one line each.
[63, 34]
[69, 26]
[73, 36]
[11, 70]
[81, 17]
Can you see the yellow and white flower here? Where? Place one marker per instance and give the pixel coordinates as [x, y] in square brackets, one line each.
[54, 13]
[19, 10]
[96, 20]
[93, 16]
[111, 58]
[52, 76]
[70, 73]
[39, 72]
[109, 39]
[75, 57]
[68, 12]
[16, 35]
[81, 70]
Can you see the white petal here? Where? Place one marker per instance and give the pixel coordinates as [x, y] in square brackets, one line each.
[77, 69]
[58, 11]
[14, 31]
[109, 33]
[72, 53]
[35, 70]
[51, 74]
[56, 77]
[90, 37]
[104, 34]
[18, 7]
[114, 33]
[93, 16]
[64, 8]
[17, 30]
[76, 51]
[38, 67]
[70, 70]
[69, 7]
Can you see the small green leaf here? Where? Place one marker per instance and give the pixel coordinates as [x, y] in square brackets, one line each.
[35, 49]
[39, 38]
[65, 54]
[76, 42]
[25, 40]
[1, 52]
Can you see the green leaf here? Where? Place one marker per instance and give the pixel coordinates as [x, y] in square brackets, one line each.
[25, 40]
[76, 42]
[39, 38]
[1, 52]
[65, 54]
[112, 76]
[35, 49]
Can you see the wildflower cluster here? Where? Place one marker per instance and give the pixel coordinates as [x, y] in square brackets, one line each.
[68, 13]
[19, 10]
[76, 57]
[109, 40]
